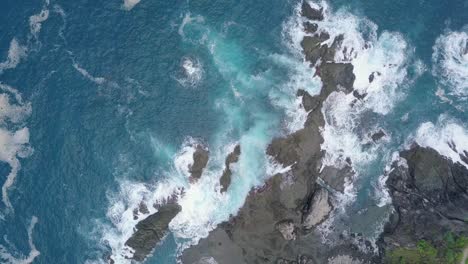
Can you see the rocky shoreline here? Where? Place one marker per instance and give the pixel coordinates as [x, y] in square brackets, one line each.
[277, 222]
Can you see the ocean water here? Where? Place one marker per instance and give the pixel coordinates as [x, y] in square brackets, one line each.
[101, 103]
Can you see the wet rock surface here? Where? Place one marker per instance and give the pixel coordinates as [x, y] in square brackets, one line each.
[311, 13]
[276, 222]
[150, 231]
[200, 159]
[430, 197]
[225, 179]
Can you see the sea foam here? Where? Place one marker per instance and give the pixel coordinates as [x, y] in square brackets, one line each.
[14, 135]
[17, 258]
[16, 53]
[447, 136]
[382, 55]
[450, 60]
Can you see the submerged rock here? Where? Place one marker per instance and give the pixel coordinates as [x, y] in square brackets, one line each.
[378, 135]
[200, 159]
[150, 231]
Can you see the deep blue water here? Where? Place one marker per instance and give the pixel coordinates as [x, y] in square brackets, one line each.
[88, 136]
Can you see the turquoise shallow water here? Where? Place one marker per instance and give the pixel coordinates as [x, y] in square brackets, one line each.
[112, 105]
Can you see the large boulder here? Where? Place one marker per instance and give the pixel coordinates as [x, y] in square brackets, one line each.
[200, 159]
[150, 231]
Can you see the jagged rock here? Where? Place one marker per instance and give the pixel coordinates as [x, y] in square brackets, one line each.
[378, 135]
[319, 210]
[225, 179]
[151, 230]
[336, 45]
[200, 159]
[287, 229]
[311, 13]
[430, 195]
[259, 232]
[336, 74]
[464, 156]
[312, 47]
[358, 95]
[310, 27]
[335, 177]
[309, 102]
[142, 208]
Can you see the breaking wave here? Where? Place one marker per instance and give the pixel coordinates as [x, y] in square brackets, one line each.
[447, 137]
[191, 72]
[450, 59]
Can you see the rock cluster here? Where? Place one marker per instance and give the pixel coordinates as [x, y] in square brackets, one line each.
[430, 197]
[273, 225]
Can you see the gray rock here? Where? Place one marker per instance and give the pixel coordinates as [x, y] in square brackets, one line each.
[287, 229]
[430, 198]
[319, 210]
[335, 177]
[265, 230]
[151, 230]
[311, 13]
[225, 179]
[200, 159]
[310, 103]
[312, 47]
[378, 135]
[310, 27]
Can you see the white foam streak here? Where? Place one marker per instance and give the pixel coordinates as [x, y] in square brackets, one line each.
[87, 75]
[16, 52]
[35, 22]
[13, 144]
[11, 259]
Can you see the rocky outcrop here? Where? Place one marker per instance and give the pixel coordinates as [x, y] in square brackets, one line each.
[311, 13]
[430, 197]
[275, 223]
[200, 159]
[377, 136]
[225, 179]
[150, 231]
[320, 208]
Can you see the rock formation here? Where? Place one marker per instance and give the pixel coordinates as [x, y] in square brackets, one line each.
[200, 159]
[151, 230]
[430, 197]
